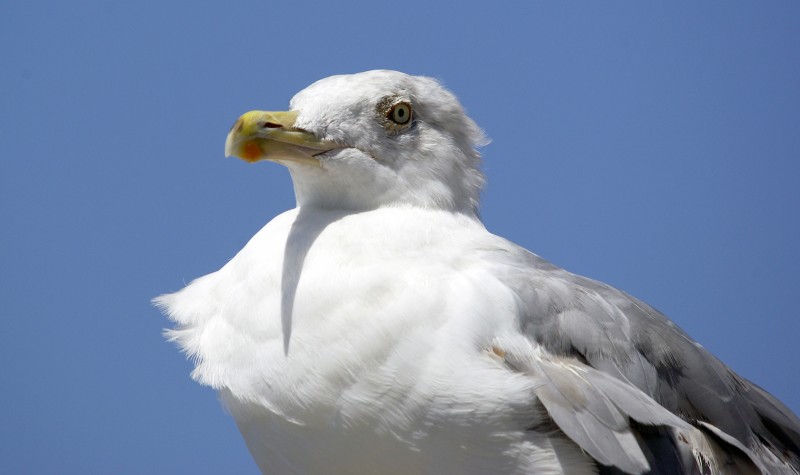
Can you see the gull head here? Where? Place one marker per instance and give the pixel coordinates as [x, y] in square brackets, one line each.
[368, 140]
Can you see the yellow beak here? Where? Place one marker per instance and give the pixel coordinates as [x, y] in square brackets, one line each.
[259, 135]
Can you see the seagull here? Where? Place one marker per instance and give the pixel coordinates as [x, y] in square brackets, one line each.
[379, 328]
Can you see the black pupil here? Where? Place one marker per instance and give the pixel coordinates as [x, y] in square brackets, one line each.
[400, 114]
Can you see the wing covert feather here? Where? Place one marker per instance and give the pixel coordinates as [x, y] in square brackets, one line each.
[627, 341]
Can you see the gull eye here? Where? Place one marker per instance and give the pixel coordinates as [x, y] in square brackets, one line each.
[400, 113]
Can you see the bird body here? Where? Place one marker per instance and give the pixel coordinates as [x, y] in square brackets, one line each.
[353, 378]
[380, 328]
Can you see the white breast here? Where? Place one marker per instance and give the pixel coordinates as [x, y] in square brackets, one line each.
[373, 352]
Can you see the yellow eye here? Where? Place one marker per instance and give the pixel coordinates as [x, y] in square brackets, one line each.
[400, 113]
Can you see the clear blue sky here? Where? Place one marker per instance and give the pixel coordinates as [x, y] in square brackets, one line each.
[652, 145]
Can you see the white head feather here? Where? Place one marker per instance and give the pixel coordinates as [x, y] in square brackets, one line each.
[432, 162]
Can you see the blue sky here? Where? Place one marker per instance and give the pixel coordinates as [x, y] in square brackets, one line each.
[654, 146]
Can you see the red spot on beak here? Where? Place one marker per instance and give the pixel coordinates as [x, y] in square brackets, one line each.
[251, 151]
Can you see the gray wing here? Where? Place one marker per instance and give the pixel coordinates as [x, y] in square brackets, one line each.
[620, 336]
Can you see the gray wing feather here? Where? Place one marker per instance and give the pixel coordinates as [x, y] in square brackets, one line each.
[624, 338]
[594, 409]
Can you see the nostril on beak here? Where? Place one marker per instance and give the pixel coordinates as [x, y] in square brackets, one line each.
[270, 125]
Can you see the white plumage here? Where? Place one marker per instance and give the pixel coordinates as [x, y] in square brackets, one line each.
[380, 328]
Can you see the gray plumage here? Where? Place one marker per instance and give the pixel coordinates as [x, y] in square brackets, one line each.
[610, 331]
